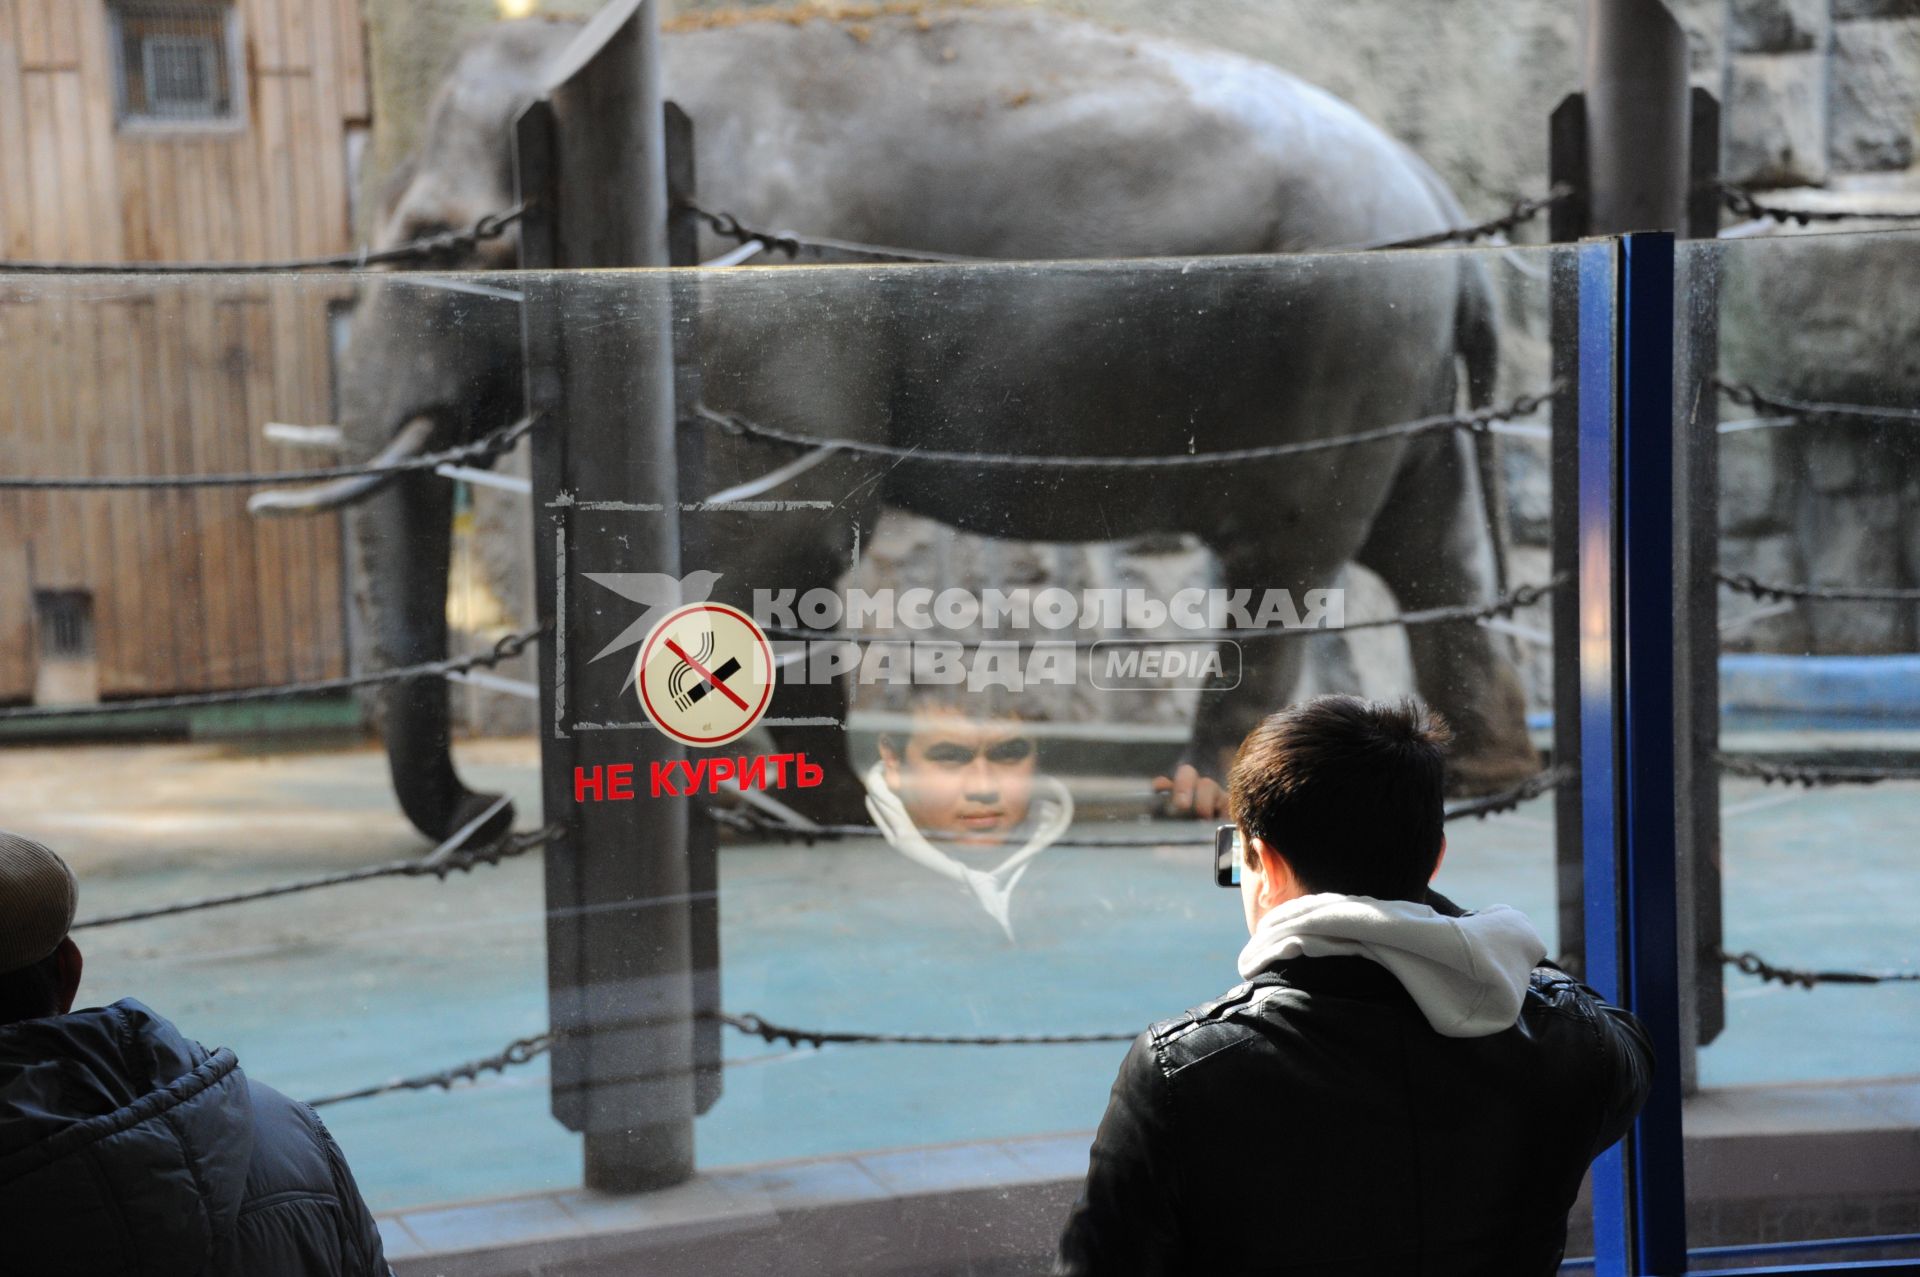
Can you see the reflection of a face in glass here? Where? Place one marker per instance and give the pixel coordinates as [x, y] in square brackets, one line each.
[967, 779]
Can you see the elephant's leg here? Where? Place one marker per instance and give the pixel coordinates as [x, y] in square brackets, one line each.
[1429, 544]
[802, 551]
[1269, 667]
[405, 535]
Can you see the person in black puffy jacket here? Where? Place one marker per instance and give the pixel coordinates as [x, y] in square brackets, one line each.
[1398, 1087]
[126, 1147]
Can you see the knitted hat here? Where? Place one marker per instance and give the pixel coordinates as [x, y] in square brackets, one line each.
[37, 899]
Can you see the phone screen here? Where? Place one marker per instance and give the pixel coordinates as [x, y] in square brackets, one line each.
[1226, 856]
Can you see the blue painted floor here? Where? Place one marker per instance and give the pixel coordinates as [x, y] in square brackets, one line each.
[338, 989]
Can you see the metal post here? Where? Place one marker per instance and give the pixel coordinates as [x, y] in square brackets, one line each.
[1696, 606]
[1647, 691]
[618, 898]
[1567, 158]
[1637, 111]
[1627, 683]
[703, 860]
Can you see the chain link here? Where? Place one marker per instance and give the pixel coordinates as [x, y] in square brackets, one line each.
[1776, 591]
[755, 823]
[509, 646]
[1753, 964]
[526, 1050]
[728, 226]
[1521, 212]
[518, 1052]
[1742, 202]
[1812, 411]
[1477, 421]
[1812, 774]
[439, 863]
[446, 248]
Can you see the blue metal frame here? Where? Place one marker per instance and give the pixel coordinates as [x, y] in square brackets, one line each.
[1599, 327]
[1772, 1250]
[1628, 800]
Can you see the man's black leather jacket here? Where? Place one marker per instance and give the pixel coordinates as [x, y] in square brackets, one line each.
[1311, 1122]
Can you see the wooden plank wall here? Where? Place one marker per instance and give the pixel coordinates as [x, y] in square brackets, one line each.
[190, 593]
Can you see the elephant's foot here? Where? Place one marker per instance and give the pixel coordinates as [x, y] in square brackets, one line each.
[471, 808]
[1490, 766]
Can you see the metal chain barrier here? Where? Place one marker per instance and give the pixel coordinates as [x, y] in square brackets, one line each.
[526, 1050]
[1776, 591]
[444, 249]
[1521, 212]
[1754, 965]
[1812, 411]
[492, 445]
[450, 857]
[755, 823]
[1477, 421]
[1742, 202]
[509, 646]
[767, 1031]
[727, 226]
[519, 1051]
[1812, 775]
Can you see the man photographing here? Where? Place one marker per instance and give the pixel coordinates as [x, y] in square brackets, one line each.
[1397, 1087]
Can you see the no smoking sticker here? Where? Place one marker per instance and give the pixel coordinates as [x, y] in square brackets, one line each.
[705, 673]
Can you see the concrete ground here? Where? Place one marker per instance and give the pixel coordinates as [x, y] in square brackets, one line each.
[336, 989]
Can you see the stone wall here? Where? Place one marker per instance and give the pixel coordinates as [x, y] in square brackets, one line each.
[1824, 104]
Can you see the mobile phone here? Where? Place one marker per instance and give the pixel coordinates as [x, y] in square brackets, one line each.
[1226, 856]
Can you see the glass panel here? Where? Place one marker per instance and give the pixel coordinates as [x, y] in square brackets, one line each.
[1802, 1123]
[1002, 526]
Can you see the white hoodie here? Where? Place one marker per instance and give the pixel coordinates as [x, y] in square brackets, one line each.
[1467, 974]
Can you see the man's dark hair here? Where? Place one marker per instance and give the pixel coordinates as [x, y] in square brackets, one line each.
[32, 992]
[1349, 791]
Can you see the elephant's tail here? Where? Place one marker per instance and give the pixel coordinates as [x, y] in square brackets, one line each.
[1476, 331]
[1476, 340]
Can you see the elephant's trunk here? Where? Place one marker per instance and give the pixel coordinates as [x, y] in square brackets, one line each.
[405, 536]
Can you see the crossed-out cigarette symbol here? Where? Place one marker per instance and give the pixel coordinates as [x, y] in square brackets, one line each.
[705, 673]
[693, 670]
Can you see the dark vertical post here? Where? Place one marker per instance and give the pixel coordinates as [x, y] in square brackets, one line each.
[703, 837]
[1567, 159]
[1703, 1006]
[1649, 669]
[1637, 111]
[618, 915]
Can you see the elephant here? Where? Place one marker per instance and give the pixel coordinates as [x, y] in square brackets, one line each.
[1024, 137]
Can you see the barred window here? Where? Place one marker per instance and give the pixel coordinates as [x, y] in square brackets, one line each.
[174, 63]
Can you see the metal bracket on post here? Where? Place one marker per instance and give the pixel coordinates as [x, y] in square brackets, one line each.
[619, 900]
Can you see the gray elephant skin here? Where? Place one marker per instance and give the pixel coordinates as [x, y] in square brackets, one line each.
[1025, 137]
